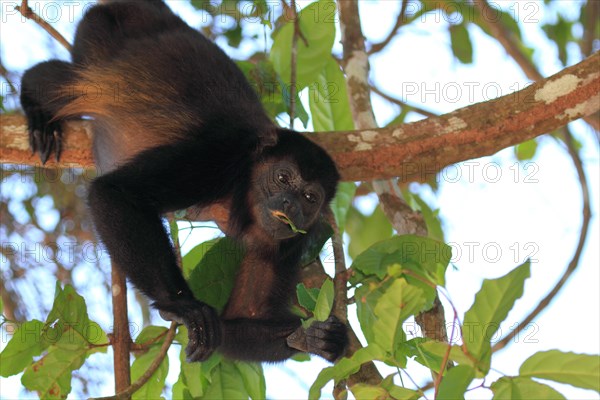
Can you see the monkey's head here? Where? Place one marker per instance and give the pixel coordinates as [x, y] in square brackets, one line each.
[292, 184]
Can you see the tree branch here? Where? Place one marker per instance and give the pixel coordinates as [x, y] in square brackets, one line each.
[414, 151]
[28, 13]
[120, 338]
[125, 394]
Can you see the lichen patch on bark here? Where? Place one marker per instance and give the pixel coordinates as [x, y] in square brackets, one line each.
[556, 88]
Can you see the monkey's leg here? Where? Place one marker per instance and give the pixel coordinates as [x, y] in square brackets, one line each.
[44, 90]
[258, 340]
[276, 340]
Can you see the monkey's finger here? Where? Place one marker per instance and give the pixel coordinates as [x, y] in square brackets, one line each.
[38, 139]
[47, 144]
[57, 141]
[213, 328]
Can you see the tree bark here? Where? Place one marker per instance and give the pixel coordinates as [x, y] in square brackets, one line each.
[413, 152]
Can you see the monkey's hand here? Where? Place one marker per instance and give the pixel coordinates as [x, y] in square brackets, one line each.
[204, 328]
[45, 134]
[327, 339]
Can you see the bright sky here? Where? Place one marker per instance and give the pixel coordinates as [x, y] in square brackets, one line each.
[493, 221]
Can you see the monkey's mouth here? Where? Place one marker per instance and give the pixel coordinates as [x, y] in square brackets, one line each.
[286, 220]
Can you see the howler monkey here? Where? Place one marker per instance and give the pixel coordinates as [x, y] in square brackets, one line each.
[177, 126]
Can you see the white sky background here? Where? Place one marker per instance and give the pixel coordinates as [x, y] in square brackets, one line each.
[501, 220]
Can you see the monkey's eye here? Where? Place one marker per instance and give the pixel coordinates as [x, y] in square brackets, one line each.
[310, 197]
[283, 178]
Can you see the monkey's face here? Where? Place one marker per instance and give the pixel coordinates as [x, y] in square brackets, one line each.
[284, 204]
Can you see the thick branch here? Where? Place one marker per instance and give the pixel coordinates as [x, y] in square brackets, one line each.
[414, 151]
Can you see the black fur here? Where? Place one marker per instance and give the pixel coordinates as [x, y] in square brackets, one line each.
[176, 126]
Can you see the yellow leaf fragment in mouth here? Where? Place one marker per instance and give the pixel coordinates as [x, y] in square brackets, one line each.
[285, 219]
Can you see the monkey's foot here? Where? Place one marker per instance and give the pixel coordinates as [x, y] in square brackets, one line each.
[327, 339]
[45, 135]
[203, 325]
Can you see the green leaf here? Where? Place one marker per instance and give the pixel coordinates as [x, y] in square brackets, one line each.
[461, 43]
[492, 304]
[50, 376]
[580, 370]
[265, 82]
[253, 378]
[526, 150]
[155, 385]
[364, 231]
[151, 334]
[431, 217]
[424, 257]
[286, 95]
[455, 383]
[560, 33]
[234, 36]
[328, 100]
[397, 392]
[341, 203]
[393, 307]
[435, 351]
[307, 297]
[317, 25]
[68, 321]
[518, 388]
[26, 343]
[234, 380]
[300, 357]
[174, 230]
[324, 301]
[70, 337]
[344, 368]
[193, 257]
[194, 378]
[213, 278]
[367, 296]
[364, 391]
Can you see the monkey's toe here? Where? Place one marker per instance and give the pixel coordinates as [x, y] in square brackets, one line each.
[327, 339]
[45, 135]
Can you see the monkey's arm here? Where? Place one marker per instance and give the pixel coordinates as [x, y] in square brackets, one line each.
[126, 205]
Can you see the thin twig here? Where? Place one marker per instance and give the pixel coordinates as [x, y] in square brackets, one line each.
[508, 41]
[402, 103]
[586, 216]
[510, 45]
[446, 359]
[341, 273]
[340, 283]
[377, 47]
[151, 369]
[28, 13]
[294, 63]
